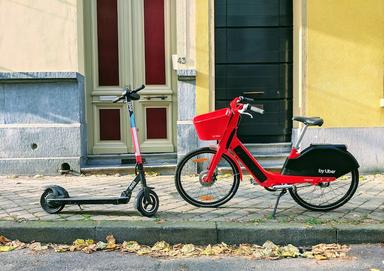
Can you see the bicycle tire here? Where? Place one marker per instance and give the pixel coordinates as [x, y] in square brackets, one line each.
[195, 201]
[354, 181]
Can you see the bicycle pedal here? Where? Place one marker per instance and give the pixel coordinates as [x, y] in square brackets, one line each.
[252, 181]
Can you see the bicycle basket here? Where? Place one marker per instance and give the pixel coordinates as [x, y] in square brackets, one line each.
[212, 125]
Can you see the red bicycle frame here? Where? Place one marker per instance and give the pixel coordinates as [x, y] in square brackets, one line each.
[231, 146]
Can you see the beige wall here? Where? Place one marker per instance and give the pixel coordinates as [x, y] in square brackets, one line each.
[39, 35]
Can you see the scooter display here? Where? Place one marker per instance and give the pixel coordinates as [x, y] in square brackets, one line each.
[56, 197]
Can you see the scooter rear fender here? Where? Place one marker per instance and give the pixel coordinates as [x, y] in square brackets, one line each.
[58, 191]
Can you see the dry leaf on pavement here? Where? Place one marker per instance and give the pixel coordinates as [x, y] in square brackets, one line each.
[37, 246]
[111, 242]
[4, 240]
[130, 246]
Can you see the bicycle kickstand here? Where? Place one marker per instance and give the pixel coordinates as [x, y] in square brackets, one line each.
[282, 193]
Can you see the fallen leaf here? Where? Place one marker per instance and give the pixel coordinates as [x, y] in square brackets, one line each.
[270, 250]
[330, 251]
[244, 250]
[61, 248]
[4, 240]
[17, 244]
[130, 246]
[101, 245]
[320, 257]
[37, 246]
[144, 251]
[6, 248]
[208, 251]
[308, 254]
[289, 251]
[90, 249]
[161, 246]
[187, 249]
[111, 242]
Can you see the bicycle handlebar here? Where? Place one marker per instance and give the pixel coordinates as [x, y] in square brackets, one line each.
[245, 99]
[247, 105]
[256, 109]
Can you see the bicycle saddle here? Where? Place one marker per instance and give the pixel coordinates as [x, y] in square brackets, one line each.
[310, 121]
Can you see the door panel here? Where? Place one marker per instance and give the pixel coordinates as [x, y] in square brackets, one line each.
[258, 13]
[109, 123]
[107, 43]
[259, 81]
[253, 45]
[154, 42]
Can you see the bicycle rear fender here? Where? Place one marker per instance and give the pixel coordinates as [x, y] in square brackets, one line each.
[321, 161]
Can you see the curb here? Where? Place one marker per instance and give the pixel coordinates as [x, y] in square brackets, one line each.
[200, 233]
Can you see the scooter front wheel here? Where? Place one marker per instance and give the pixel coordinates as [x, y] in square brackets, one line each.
[326, 196]
[147, 207]
[49, 207]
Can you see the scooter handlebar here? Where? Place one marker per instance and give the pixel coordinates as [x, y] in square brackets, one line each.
[138, 89]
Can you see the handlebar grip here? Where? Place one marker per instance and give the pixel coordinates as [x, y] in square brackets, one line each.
[245, 99]
[138, 89]
[117, 99]
[256, 109]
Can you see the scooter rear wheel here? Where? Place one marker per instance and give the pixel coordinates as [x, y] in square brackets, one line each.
[144, 206]
[49, 207]
[326, 196]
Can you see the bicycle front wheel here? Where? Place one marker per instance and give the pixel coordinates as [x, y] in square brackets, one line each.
[190, 184]
[328, 195]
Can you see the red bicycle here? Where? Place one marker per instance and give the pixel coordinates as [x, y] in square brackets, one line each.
[319, 178]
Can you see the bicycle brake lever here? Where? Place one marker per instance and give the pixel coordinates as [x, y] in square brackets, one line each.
[242, 111]
[246, 113]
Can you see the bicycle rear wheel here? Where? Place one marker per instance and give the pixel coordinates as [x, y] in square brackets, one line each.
[326, 196]
[189, 179]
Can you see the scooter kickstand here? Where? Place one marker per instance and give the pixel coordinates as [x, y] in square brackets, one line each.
[282, 193]
[81, 209]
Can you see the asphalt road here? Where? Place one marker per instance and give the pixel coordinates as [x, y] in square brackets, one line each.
[364, 257]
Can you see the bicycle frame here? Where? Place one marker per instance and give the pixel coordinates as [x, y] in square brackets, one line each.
[231, 145]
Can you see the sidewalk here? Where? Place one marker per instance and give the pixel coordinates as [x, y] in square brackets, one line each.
[250, 208]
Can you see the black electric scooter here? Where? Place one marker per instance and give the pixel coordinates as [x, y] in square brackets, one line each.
[56, 197]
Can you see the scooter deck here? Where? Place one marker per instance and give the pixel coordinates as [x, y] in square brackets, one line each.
[85, 200]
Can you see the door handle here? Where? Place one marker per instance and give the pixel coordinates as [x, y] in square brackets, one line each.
[253, 92]
[163, 97]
